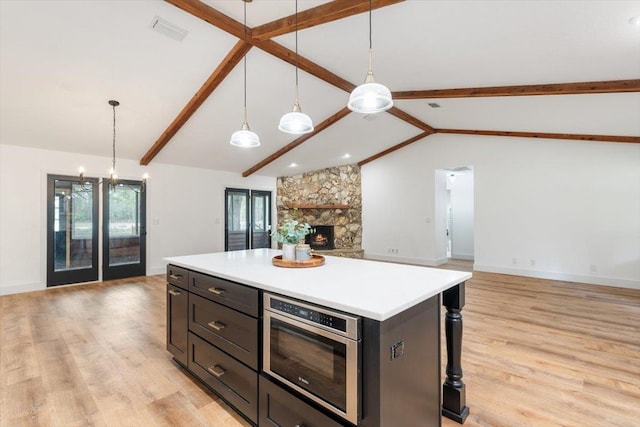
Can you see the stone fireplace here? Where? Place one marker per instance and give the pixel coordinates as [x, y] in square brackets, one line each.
[329, 197]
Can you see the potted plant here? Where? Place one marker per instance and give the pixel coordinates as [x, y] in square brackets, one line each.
[289, 233]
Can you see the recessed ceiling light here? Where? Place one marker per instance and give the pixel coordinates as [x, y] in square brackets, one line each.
[635, 20]
[346, 156]
[293, 165]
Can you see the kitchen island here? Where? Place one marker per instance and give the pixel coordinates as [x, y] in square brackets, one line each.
[399, 307]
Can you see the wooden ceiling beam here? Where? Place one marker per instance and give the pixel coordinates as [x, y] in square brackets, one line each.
[304, 64]
[212, 16]
[395, 111]
[342, 113]
[395, 148]
[571, 136]
[615, 86]
[322, 14]
[234, 56]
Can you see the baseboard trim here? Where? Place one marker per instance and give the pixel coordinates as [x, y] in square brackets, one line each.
[406, 260]
[18, 289]
[157, 270]
[467, 257]
[591, 280]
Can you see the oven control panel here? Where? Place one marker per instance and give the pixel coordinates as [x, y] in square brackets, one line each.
[331, 321]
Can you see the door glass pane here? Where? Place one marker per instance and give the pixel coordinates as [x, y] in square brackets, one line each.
[238, 212]
[124, 224]
[237, 205]
[261, 202]
[259, 214]
[72, 225]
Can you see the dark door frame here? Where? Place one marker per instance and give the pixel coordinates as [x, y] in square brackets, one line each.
[249, 194]
[125, 270]
[78, 275]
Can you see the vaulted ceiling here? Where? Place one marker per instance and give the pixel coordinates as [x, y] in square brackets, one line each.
[557, 69]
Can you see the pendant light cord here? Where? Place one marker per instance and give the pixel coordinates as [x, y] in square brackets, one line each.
[244, 61]
[370, 41]
[113, 162]
[296, 51]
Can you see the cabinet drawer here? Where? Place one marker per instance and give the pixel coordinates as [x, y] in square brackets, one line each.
[232, 380]
[234, 295]
[279, 408]
[178, 276]
[232, 331]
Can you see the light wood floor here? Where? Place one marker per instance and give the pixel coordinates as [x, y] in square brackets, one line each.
[535, 353]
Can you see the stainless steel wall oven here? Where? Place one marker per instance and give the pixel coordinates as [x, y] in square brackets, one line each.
[316, 352]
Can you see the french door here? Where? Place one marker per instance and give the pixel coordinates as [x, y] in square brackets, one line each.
[123, 230]
[72, 230]
[247, 219]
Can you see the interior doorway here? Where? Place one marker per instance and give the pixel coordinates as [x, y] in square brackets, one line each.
[457, 205]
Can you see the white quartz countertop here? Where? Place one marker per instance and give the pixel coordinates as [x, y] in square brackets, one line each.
[373, 289]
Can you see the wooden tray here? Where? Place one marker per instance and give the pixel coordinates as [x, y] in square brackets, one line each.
[315, 261]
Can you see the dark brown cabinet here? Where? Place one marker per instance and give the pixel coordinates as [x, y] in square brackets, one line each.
[213, 330]
[280, 408]
[232, 331]
[177, 313]
[232, 380]
[233, 295]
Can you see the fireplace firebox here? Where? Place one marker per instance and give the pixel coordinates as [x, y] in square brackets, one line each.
[321, 238]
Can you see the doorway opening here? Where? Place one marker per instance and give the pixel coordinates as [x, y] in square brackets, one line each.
[456, 206]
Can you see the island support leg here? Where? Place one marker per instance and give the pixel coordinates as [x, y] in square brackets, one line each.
[453, 390]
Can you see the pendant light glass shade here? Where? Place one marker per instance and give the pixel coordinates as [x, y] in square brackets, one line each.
[370, 97]
[296, 122]
[245, 138]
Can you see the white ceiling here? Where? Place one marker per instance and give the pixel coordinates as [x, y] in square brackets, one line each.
[60, 61]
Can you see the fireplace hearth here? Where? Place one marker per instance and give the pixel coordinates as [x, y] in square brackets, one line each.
[321, 238]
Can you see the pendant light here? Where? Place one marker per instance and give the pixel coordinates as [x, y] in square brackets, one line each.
[244, 137]
[113, 177]
[370, 97]
[296, 122]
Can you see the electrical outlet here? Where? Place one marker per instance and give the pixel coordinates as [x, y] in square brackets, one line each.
[532, 262]
[594, 268]
[514, 261]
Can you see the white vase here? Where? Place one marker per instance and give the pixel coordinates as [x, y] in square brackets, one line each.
[289, 251]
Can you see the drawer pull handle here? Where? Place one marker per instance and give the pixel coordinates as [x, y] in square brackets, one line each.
[175, 276]
[218, 326]
[216, 370]
[174, 292]
[217, 291]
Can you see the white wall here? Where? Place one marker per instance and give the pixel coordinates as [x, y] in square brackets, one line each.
[566, 210]
[185, 209]
[461, 186]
